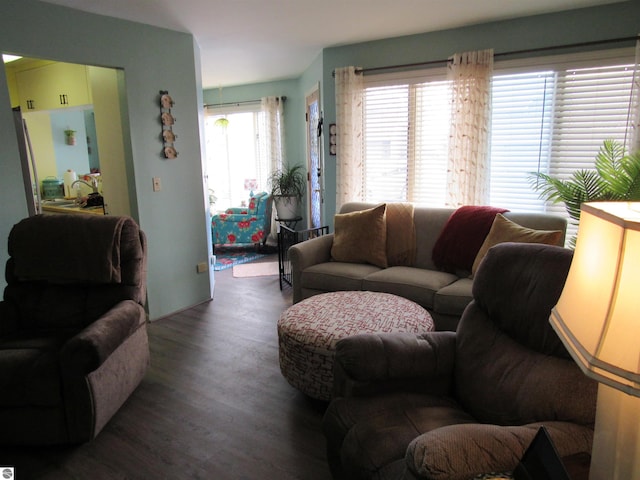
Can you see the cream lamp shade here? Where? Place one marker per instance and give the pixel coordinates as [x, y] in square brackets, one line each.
[598, 314]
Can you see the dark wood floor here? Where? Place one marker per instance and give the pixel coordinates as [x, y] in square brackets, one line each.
[212, 406]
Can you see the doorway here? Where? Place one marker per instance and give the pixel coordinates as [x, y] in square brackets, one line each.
[314, 167]
[53, 98]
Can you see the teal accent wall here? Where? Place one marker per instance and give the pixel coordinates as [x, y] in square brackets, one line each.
[153, 59]
[575, 26]
[294, 124]
[296, 91]
[570, 27]
[69, 157]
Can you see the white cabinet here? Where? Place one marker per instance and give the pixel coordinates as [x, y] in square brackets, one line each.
[57, 85]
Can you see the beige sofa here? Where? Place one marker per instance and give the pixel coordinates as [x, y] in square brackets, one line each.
[444, 294]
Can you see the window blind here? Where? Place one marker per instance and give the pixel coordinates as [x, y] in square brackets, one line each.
[554, 121]
[549, 114]
[406, 137]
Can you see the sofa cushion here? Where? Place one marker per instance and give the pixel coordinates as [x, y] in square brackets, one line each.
[504, 230]
[361, 237]
[462, 236]
[454, 298]
[334, 276]
[416, 284]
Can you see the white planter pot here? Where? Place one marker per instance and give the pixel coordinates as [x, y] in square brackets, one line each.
[287, 208]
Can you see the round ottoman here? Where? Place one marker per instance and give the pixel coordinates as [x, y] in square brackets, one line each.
[308, 332]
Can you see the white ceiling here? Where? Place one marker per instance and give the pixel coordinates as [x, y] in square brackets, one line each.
[249, 41]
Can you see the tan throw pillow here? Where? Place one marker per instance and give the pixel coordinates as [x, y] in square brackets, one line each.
[504, 230]
[361, 237]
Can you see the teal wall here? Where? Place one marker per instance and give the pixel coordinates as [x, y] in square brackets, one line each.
[296, 91]
[294, 126]
[570, 27]
[575, 26]
[153, 59]
[69, 157]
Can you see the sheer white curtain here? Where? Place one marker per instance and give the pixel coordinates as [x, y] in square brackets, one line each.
[349, 140]
[468, 160]
[633, 120]
[271, 145]
[271, 137]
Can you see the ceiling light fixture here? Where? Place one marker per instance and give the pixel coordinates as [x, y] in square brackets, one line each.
[6, 58]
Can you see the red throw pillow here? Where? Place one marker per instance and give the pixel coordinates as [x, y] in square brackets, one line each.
[462, 236]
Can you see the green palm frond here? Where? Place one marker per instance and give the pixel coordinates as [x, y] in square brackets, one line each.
[620, 172]
[583, 186]
[616, 177]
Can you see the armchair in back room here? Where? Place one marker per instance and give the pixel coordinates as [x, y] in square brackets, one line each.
[243, 225]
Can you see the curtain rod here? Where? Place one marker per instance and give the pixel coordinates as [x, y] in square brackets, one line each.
[502, 54]
[245, 102]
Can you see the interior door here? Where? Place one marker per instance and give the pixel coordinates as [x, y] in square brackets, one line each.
[314, 142]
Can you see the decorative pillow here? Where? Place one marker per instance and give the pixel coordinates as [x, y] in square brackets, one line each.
[504, 230]
[361, 237]
[462, 236]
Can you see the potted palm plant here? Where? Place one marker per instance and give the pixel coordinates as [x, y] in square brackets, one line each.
[287, 188]
[616, 178]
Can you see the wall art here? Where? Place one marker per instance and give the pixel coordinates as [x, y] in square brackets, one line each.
[167, 120]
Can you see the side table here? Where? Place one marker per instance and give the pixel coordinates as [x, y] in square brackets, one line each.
[287, 236]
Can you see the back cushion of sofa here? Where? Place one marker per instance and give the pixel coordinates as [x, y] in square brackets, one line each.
[428, 221]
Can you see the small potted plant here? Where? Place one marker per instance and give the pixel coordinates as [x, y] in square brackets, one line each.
[70, 137]
[287, 188]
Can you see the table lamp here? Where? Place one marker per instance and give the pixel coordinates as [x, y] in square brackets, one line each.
[598, 319]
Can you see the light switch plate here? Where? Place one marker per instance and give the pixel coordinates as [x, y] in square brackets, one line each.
[157, 185]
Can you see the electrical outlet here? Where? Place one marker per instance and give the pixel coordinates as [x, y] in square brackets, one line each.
[202, 267]
[157, 185]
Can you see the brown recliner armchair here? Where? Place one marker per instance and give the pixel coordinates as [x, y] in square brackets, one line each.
[447, 405]
[73, 338]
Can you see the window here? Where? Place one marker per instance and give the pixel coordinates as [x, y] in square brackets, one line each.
[234, 155]
[548, 114]
[406, 134]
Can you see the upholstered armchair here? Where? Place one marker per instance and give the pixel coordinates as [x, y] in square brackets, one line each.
[453, 405]
[73, 338]
[240, 225]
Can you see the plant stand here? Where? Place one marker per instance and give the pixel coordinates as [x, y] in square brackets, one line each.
[288, 236]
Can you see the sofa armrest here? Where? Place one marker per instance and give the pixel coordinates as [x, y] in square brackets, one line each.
[375, 362]
[305, 254]
[86, 351]
[466, 450]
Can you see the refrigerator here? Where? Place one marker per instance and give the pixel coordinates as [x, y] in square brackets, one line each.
[28, 164]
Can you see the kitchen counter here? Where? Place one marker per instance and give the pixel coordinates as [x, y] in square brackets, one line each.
[72, 210]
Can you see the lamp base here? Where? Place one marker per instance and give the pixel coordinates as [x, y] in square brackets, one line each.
[616, 441]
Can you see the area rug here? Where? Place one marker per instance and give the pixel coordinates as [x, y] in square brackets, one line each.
[256, 269]
[228, 256]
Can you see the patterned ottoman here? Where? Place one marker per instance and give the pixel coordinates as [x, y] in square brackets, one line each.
[308, 332]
